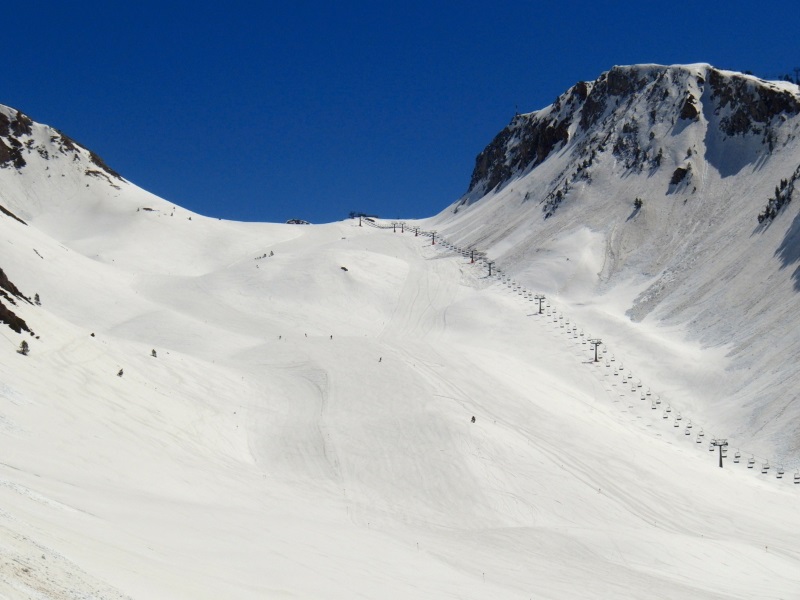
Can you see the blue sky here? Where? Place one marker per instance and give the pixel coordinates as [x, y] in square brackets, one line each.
[263, 111]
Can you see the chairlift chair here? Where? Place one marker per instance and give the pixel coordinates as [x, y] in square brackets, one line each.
[765, 467]
[797, 477]
[751, 462]
[737, 456]
[779, 473]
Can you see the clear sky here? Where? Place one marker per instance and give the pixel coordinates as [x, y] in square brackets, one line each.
[264, 111]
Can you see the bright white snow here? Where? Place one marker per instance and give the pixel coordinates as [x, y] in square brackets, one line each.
[257, 456]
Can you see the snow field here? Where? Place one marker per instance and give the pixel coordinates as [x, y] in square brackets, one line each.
[304, 431]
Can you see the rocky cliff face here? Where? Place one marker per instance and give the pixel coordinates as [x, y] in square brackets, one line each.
[10, 293]
[632, 115]
[21, 137]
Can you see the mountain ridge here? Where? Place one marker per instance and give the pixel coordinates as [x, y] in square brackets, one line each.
[732, 104]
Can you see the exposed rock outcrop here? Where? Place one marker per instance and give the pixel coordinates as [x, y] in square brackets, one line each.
[635, 111]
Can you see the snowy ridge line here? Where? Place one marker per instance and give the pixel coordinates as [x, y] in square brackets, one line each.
[754, 461]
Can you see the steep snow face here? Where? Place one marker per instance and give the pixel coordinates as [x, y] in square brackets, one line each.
[684, 176]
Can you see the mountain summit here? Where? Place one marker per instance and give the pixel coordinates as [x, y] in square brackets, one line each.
[635, 114]
[669, 189]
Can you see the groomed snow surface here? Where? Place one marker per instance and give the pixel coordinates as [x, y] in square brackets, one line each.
[305, 431]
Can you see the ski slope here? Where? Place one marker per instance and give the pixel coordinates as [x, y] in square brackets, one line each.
[304, 431]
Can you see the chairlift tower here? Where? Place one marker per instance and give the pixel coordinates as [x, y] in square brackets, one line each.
[490, 268]
[540, 298]
[595, 342]
[720, 443]
[433, 237]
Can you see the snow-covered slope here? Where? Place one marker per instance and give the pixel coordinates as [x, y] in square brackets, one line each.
[661, 197]
[212, 409]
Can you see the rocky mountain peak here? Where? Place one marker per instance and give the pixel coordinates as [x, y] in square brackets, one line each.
[21, 139]
[634, 115]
